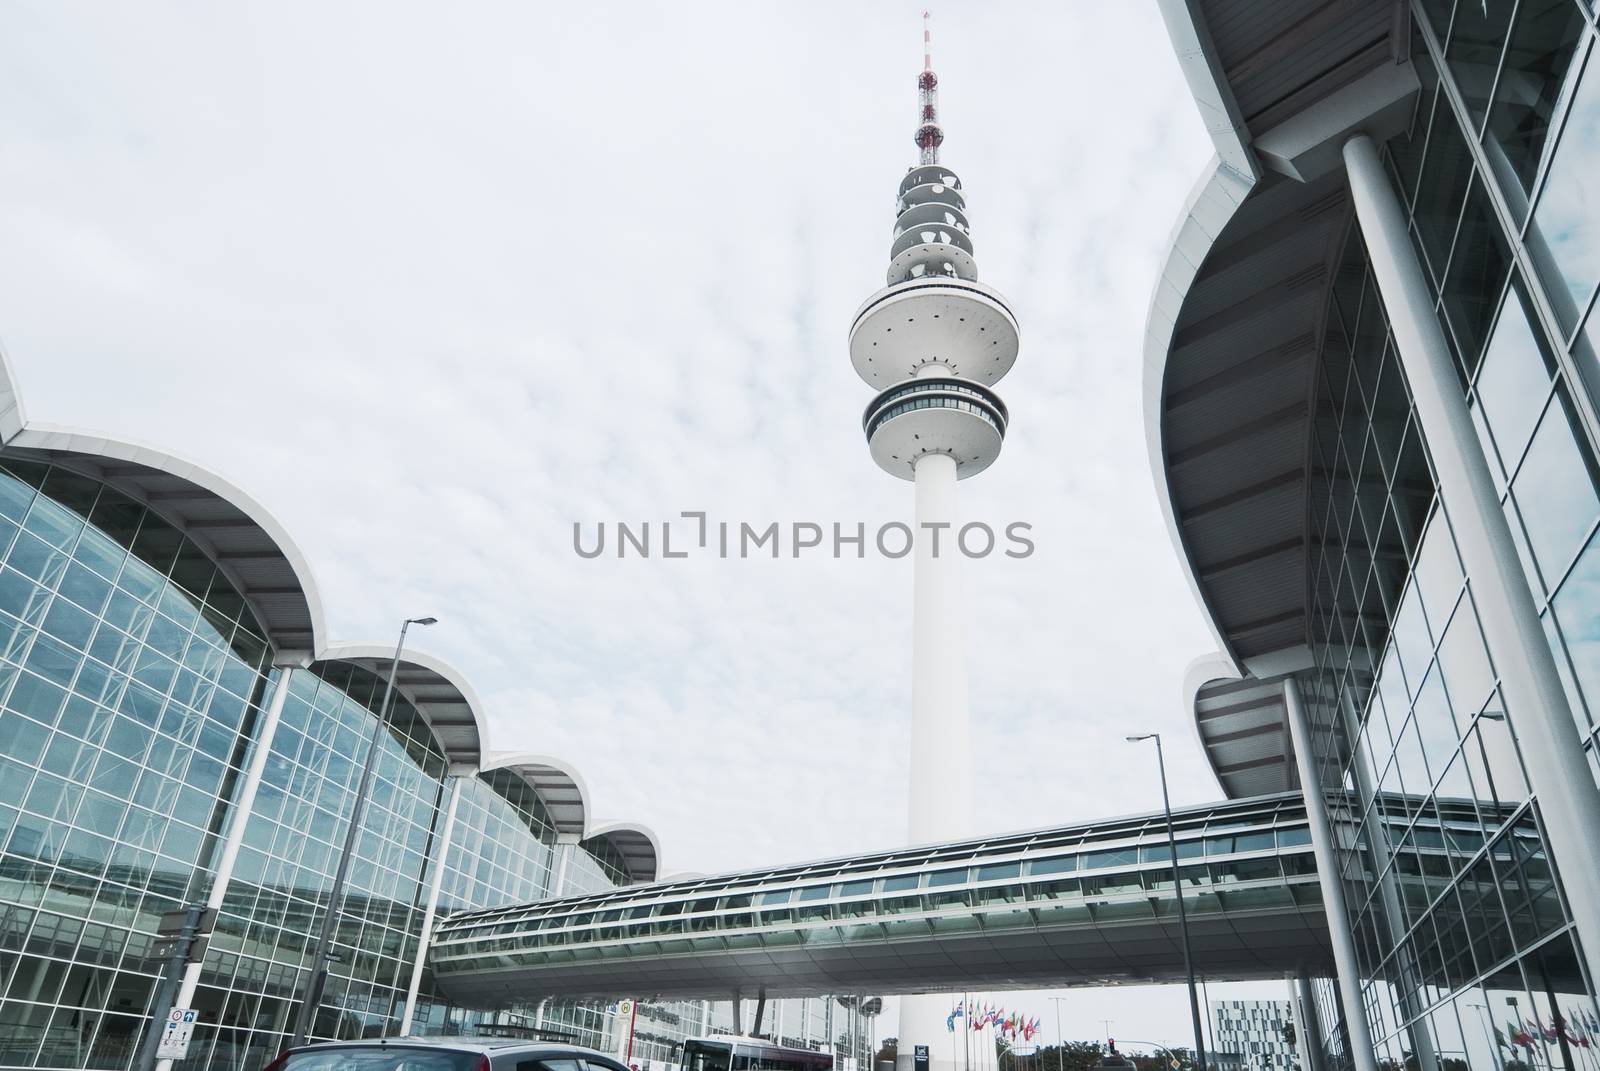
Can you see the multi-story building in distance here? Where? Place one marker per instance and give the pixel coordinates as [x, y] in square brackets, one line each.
[1254, 1030]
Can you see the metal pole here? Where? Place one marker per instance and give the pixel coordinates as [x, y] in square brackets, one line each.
[1183, 918]
[1325, 851]
[1177, 892]
[319, 962]
[1488, 1035]
[162, 1003]
[1061, 1039]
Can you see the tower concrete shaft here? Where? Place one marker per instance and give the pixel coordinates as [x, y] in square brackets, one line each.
[932, 343]
[941, 752]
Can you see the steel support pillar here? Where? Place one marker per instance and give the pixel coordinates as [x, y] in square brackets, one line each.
[441, 856]
[1362, 1053]
[1536, 702]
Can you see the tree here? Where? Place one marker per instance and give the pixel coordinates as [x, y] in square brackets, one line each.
[888, 1051]
[1074, 1056]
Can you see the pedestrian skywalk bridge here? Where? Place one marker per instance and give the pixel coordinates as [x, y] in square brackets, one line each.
[1087, 904]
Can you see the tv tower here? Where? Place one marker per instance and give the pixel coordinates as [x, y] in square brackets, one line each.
[932, 342]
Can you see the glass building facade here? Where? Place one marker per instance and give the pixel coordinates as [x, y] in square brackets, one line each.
[135, 680]
[1464, 940]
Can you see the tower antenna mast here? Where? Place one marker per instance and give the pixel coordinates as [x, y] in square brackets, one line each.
[929, 135]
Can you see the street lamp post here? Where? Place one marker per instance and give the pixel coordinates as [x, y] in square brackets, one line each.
[319, 962]
[1177, 891]
[1061, 1039]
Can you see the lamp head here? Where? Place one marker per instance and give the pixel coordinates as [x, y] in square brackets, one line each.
[1142, 736]
[424, 621]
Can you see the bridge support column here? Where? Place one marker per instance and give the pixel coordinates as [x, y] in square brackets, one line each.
[1307, 1027]
[1362, 1052]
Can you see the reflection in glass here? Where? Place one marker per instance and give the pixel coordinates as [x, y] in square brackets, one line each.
[1442, 189]
[1554, 491]
[1577, 630]
[1473, 54]
[1468, 677]
[1534, 80]
[1479, 265]
[1514, 381]
[1565, 236]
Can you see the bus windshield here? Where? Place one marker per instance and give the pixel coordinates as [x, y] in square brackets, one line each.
[706, 1056]
[743, 1054]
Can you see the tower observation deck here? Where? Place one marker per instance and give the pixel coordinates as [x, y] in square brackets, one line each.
[932, 343]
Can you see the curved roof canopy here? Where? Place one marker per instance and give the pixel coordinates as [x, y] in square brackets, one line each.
[637, 845]
[245, 541]
[557, 783]
[1235, 328]
[438, 691]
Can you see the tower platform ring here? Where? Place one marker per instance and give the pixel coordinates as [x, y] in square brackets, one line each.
[939, 233]
[931, 193]
[937, 215]
[934, 258]
[927, 175]
[962, 324]
[961, 427]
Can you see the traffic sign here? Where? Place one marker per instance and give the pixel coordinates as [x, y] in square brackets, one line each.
[164, 947]
[176, 1034]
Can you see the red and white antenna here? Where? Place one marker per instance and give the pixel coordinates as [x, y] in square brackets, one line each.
[929, 135]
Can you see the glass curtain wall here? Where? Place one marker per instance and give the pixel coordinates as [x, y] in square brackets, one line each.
[131, 678]
[262, 951]
[1462, 936]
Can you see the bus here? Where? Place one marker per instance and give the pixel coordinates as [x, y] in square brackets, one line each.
[728, 1053]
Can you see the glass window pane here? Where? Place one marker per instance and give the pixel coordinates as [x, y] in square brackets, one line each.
[1565, 236]
[1443, 188]
[1438, 572]
[1412, 639]
[1473, 54]
[1412, 492]
[1532, 85]
[1468, 677]
[1405, 150]
[1438, 12]
[1554, 491]
[1514, 381]
[1577, 613]
[1435, 725]
[1479, 265]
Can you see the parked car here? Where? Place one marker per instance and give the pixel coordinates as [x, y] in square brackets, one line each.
[443, 1054]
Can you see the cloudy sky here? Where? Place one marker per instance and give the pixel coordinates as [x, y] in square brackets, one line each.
[434, 284]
